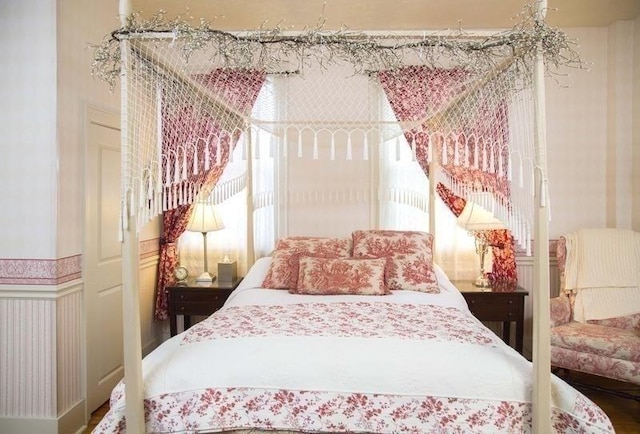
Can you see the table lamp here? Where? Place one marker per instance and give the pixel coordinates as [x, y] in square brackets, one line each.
[204, 219]
[476, 220]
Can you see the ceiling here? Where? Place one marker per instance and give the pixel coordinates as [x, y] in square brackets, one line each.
[388, 14]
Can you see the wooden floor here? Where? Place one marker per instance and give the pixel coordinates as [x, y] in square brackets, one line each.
[624, 413]
[96, 417]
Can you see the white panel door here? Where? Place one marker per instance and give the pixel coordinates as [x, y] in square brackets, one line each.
[103, 257]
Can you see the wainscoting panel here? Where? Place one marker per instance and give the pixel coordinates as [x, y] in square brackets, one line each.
[525, 279]
[28, 359]
[150, 328]
[70, 348]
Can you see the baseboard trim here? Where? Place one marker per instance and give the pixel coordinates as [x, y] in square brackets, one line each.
[40, 292]
[23, 425]
[72, 421]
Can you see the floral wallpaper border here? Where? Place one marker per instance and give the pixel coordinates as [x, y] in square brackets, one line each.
[149, 248]
[55, 271]
[40, 271]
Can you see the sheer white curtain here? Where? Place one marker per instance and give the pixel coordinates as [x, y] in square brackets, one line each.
[265, 167]
[404, 194]
[264, 172]
[404, 205]
[231, 241]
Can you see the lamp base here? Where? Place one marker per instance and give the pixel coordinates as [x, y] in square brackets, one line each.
[205, 277]
[482, 282]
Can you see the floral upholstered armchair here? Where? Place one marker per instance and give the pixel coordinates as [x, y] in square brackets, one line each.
[606, 347]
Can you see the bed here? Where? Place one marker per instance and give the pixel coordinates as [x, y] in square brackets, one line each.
[408, 361]
[468, 105]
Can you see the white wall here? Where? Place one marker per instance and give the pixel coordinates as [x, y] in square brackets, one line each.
[619, 124]
[27, 128]
[577, 136]
[590, 132]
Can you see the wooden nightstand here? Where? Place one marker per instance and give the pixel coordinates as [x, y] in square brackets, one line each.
[504, 303]
[191, 298]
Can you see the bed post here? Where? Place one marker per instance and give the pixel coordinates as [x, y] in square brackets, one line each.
[134, 412]
[541, 398]
[432, 201]
[251, 254]
[131, 330]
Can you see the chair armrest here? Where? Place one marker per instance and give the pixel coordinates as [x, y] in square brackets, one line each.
[560, 310]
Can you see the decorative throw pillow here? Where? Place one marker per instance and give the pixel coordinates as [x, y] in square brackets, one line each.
[410, 255]
[338, 247]
[283, 271]
[412, 272]
[323, 276]
[380, 243]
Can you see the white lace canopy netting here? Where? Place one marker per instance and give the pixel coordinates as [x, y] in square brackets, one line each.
[192, 94]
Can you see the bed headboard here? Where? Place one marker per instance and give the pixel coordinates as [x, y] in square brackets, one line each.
[322, 199]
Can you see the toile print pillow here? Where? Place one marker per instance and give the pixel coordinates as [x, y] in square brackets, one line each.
[410, 255]
[380, 243]
[283, 271]
[329, 276]
[411, 272]
[338, 247]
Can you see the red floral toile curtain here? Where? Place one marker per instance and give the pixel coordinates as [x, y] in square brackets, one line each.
[201, 170]
[414, 93]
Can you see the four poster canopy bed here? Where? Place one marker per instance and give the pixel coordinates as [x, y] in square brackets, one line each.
[356, 332]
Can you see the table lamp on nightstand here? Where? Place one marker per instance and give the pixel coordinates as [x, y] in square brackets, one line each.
[476, 219]
[204, 219]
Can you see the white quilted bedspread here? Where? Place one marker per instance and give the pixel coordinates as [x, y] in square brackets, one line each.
[407, 362]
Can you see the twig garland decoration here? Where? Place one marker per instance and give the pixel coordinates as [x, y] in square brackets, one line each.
[276, 49]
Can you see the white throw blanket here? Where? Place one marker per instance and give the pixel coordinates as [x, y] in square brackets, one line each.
[603, 270]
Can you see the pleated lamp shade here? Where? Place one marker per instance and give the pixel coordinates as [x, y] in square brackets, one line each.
[476, 218]
[205, 218]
